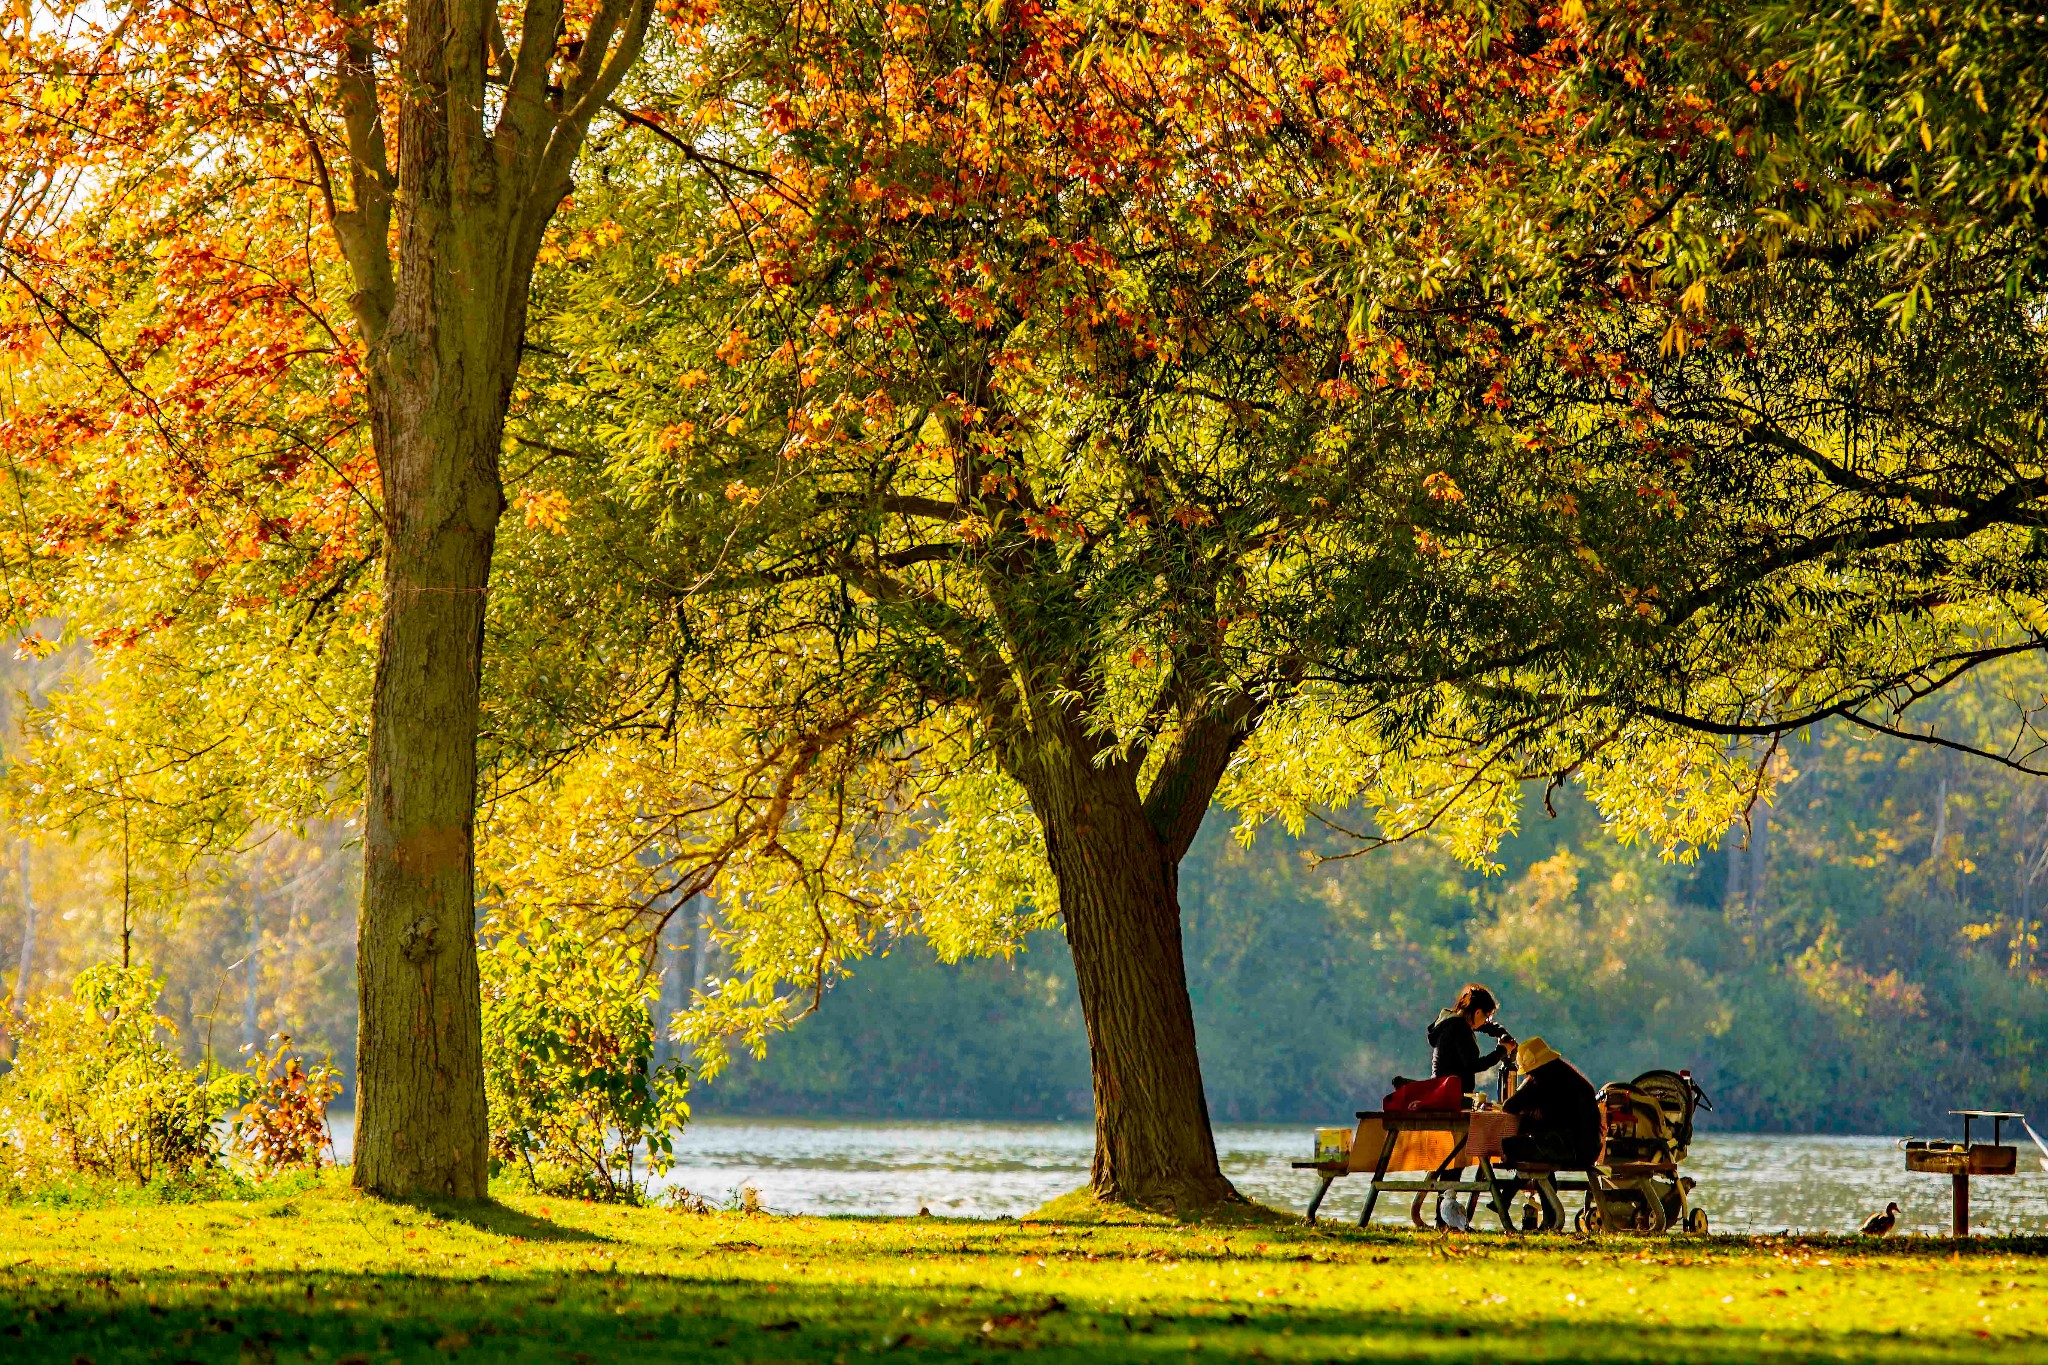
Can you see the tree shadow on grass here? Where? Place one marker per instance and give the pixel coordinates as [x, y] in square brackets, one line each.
[620, 1319]
[1083, 1207]
[502, 1220]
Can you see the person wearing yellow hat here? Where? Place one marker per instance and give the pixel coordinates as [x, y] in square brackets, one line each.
[1558, 1110]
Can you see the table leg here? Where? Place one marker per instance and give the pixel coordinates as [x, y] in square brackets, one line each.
[1437, 1182]
[1379, 1173]
[1961, 1200]
[1502, 1200]
[1317, 1202]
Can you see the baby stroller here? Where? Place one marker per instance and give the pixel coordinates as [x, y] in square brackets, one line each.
[1647, 1124]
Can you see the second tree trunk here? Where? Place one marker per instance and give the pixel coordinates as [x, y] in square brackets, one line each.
[1119, 896]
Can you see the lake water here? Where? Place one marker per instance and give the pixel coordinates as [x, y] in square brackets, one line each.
[1747, 1182]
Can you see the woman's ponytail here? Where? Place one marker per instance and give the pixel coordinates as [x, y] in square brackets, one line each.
[1475, 997]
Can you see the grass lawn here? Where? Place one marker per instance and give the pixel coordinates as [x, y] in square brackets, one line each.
[322, 1274]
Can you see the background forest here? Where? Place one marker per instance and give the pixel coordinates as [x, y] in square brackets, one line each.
[1865, 960]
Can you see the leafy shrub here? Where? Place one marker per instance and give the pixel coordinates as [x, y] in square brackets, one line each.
[98, 1092]
[577, 1105]
[284, 1124]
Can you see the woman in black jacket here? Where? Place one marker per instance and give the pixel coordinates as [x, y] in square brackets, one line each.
[1453, 1046]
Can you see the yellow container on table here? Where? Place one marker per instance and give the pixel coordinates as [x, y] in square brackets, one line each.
[1333, 1144]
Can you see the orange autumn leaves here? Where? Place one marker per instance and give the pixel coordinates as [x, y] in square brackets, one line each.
[966, 199]
[173, 326]
[976, 197]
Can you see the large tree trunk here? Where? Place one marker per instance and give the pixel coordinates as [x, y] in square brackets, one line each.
[1119, 887]
[421, 1120]
[440, 380]
[443, 318]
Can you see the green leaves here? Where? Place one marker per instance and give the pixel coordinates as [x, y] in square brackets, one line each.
[97, 1091]
[577, 1104]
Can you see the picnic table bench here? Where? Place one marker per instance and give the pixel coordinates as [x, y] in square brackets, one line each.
[1438, 1146]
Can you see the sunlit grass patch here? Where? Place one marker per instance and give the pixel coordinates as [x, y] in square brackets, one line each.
[322, 1274]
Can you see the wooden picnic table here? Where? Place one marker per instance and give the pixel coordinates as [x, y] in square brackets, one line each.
[1439, 1144]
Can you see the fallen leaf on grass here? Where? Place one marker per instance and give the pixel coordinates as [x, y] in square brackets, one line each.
[454, 1341]
[787, 1325]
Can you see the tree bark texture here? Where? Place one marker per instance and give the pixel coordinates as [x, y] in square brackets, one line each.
[422, 1125]
[441, 302]
[1119, 887]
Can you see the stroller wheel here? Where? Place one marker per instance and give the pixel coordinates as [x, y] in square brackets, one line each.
[1696, 1221]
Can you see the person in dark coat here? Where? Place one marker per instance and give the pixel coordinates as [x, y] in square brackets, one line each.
[1453, 1040]
[1558, 1110]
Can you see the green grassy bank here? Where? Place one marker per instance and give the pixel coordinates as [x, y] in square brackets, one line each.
[325, 1275]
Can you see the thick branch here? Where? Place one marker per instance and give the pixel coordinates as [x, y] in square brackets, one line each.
[528, 113]
[691, 152]
[987, 671]
[616, 33]
[895, 504]
[363, 229]
[1954, 666]
[1187, 778]
[950, 552]
[1996, 511]
[2006, 506]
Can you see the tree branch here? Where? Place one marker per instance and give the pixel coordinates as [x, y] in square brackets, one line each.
[363, 229]
[1179, 796]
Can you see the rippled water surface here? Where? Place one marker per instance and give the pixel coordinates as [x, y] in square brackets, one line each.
[1748, 1182]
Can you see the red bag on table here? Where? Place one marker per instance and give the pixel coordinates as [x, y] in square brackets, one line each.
[1443, 1093]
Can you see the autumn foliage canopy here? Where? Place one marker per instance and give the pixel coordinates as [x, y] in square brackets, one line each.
[950, 447]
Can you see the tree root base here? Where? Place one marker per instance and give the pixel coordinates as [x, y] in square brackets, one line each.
[1232, 1209]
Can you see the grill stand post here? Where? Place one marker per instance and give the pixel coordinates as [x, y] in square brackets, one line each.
[1960, 1161]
